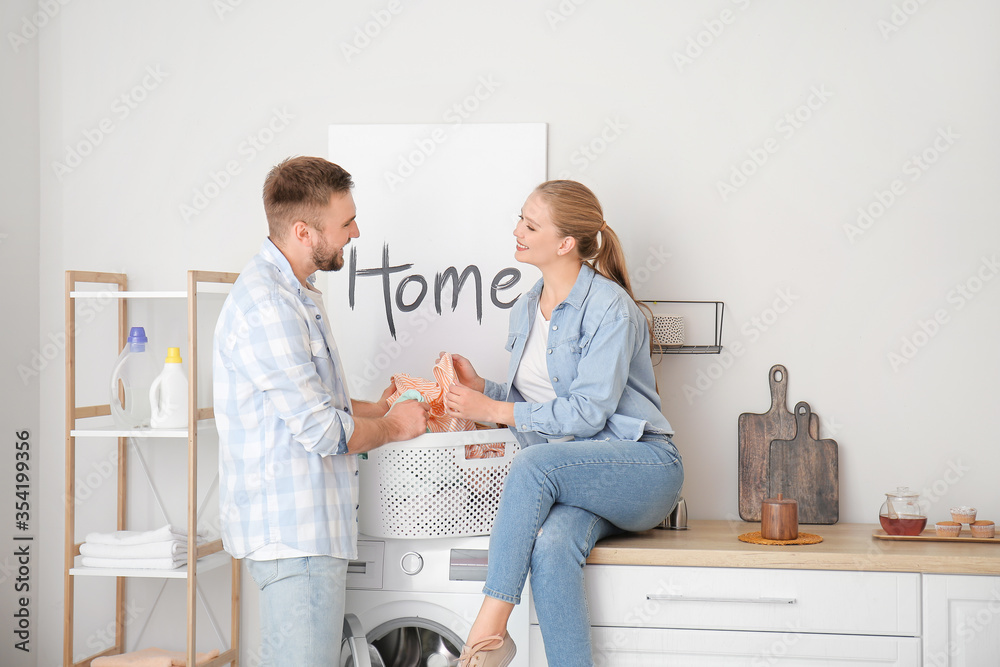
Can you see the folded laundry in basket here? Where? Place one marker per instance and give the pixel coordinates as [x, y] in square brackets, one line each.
[489, 450]
[168, 563]
[152, 657]
[163, 534]
[167, 549]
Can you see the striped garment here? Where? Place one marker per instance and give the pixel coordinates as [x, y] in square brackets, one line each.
[283, 416]
[433, 392]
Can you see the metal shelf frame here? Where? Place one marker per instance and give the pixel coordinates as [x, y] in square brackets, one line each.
[714, 348]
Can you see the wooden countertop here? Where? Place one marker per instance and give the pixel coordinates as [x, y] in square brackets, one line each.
[845, 546]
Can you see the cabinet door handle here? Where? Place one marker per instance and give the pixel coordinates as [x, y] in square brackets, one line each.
[688, 598]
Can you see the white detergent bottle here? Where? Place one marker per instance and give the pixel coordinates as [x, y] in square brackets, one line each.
[168, 396]
[130, 380]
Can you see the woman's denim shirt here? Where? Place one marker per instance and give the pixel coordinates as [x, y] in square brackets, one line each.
[598, 361]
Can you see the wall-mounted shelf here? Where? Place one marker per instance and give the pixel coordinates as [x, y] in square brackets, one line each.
[693, 312]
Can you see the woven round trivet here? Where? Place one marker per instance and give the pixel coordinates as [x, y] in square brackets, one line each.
[803, 538]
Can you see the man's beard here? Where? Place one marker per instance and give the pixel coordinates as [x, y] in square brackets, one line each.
[327, 261]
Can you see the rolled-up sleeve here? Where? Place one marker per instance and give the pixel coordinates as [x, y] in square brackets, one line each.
[276, 354]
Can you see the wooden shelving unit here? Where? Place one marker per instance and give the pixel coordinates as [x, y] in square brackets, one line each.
[201, 557]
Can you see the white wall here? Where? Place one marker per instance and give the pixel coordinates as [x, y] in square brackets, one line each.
[663, 133]
[24, 352]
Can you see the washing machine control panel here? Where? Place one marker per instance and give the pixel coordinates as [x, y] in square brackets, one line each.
[411, 562]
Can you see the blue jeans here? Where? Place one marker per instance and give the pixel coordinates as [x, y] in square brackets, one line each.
[301, 610]
[558, 500]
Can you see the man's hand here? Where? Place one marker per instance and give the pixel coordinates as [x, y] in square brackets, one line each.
[376, 409]
[407, 419]
[403, 421]
[389, 391]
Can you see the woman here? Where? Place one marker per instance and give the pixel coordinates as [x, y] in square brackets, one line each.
[581, 383]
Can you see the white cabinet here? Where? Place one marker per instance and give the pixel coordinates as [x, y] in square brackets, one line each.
[830, 602]
[961, 620]
[647, 615]
[701, 597]
[644, 647]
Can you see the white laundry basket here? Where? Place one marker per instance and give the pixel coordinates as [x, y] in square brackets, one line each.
[426, 487]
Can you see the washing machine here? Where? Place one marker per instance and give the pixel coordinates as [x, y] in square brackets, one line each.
[411, 602]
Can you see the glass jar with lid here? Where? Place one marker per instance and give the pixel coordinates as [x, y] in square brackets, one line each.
[901, 513]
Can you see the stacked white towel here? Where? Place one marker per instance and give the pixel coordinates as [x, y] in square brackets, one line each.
[161, 549]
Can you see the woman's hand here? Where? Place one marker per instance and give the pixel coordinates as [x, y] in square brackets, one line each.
[465, 373]
[467, 403]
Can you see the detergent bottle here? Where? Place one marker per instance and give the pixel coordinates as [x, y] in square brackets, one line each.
[130, 380]
[168, 395]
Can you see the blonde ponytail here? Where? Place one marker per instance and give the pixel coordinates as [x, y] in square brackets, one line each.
[576, 212]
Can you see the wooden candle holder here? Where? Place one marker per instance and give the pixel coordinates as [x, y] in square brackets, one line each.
[779, 519]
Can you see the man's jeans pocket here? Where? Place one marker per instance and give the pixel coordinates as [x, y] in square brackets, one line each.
[262, 572]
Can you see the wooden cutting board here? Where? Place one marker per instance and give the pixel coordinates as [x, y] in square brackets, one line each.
[756, 431]
[806, 470]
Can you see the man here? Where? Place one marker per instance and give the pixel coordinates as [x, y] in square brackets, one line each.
[288, 431]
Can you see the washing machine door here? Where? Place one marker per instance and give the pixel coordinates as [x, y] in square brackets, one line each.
[355, 649]
[408, 642]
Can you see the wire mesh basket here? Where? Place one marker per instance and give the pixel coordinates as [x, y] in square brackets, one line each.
[436, 485]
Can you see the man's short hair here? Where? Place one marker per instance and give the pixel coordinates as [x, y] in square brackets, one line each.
[297, 187]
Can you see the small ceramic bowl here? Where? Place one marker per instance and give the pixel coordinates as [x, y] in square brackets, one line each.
[947, 528]
[983, 529]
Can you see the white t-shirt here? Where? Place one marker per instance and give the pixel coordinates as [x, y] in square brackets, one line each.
[532, 376]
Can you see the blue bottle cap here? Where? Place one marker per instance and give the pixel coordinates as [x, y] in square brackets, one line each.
[137, 335]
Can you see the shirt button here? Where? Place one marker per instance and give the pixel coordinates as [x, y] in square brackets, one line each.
[555, 379]
[550, 350]
[355, 473]
[357, 507]
[555, 327]
[317, 317]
